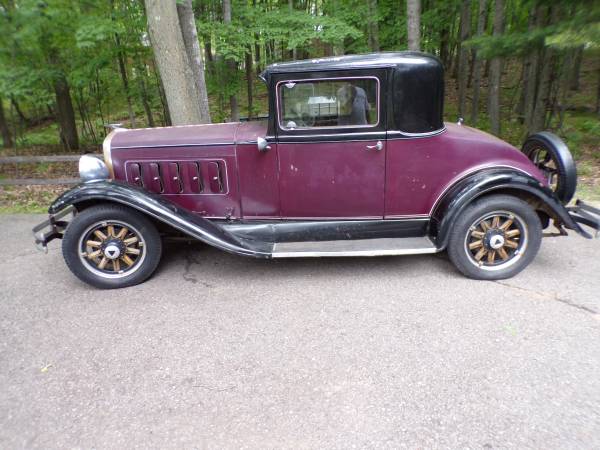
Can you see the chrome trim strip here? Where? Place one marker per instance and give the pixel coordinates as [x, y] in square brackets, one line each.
[176, 145]
[467, 173]
[391, 252]
[407, 135]
[278, 112]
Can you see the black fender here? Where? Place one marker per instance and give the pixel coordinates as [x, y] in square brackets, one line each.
[162, 210]
[509, 181]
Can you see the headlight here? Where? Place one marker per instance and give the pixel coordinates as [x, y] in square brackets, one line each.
[92, 168]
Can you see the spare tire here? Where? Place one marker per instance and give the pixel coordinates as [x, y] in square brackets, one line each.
[553, 158]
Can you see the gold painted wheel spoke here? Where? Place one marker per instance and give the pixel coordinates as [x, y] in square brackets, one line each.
[491, 256]
[93, 254]
[511, 244]
[116, 265]
[127, 260]
[506, 224]
[484, 225]
[503, 253]
[131, 240]
[477, 234]
[101, 235]
[475, 244]
[481, 253]
[512, 233]
[132, 251]
[93, 243]
[496, 222]
[122, 233]
[110, 230]
[103, 263]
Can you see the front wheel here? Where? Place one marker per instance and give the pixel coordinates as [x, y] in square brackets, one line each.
[111, 246]
[495, 238]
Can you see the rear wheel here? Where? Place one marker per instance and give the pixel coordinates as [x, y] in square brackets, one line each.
[111, 246]
[495, 238]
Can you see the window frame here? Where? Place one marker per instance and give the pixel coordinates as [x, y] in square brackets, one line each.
[279, 103]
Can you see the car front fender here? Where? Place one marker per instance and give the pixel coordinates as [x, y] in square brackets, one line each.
[162, 210]
[501, 181]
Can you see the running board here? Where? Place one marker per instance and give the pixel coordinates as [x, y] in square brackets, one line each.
[362, 247]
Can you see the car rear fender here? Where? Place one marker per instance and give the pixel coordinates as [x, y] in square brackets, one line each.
[161, 210]
[496, 181]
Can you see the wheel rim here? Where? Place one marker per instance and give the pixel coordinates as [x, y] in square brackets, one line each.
[544, 161]
[112, 249]
[496, 240]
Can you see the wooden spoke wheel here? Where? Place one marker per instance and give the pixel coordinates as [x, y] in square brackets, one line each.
[112, 249]
[495, 237]
[496, 240]
[111, 246]
[554, 160]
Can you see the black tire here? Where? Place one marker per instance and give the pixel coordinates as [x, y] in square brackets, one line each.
[138, 251]
[552, 156]
[502, 250]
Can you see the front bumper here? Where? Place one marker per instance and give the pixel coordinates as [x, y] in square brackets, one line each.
[53, 228]
[584, 214]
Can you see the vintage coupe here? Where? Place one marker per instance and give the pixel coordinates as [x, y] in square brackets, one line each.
[353, 160]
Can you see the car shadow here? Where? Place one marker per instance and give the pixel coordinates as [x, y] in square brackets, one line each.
[199, 260]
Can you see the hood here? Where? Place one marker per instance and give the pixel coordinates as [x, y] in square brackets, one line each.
[189, 135]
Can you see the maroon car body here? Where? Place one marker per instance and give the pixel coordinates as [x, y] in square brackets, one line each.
[309, 180]
[354, 159]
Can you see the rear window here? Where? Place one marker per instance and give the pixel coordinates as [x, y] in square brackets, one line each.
[328, 103]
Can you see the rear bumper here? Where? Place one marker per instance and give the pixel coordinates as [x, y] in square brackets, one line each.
[53, 228]
[584, 214]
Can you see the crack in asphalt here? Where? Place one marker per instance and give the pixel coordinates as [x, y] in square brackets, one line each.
[554, 296]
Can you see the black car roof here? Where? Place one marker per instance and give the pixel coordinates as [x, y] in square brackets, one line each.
[385, 59]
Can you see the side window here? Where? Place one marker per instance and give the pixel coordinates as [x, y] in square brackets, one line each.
[328, 103]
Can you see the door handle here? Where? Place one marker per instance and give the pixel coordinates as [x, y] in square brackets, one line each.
[378, 146]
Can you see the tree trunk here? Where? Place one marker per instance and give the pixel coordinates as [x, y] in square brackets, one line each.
[7, 140]
[249, 80]
[141, 79]
[24, 119]
[477, 63]
[373, 26]
[463, 58]
[232, 65]
[445, 46]
[65, 114]
[192, 48]
[413, 23]
[576, 68]
[598, 94]
[294, 54]
[181, 91]
[124, 80]
[496, 71]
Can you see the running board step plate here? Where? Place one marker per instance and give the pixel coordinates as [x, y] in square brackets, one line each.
[363, 247]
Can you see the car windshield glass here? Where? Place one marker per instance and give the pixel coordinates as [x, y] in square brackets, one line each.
[341, 102]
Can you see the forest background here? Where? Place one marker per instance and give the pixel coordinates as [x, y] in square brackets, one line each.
[68, 68]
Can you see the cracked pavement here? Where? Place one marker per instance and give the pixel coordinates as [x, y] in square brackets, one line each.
[221, 351]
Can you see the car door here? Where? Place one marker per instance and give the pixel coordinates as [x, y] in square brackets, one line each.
[331, 147]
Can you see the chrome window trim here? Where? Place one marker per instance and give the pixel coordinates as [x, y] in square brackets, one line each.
[278, 102]
[396, 133]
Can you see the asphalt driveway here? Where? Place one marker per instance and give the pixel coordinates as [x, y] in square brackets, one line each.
[220, 351]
